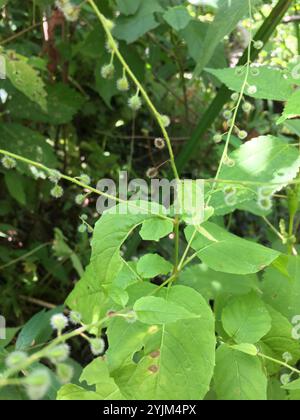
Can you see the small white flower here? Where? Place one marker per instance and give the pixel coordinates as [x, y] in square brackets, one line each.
[15, 359]
[135, 103]
[37, 384]
[64, 373]
[252, 90]
[8, 162]
[59, 353]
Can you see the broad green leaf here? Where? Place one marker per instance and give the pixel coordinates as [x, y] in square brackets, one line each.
[238, 376]
[153, 265]
[194, 36]
[30, 144]
[132, 28]
[279, 340]
[96, 373]
[63, 103]
[246, 319]
[89, 297]
[249, 349]
[37, 330]
[124, 340]
[210, 283]
[62, 249]
[275, 391]
[155, 229]
[128, 7]
[156, 310]
[181, 366]
[292, 108]
[15, 186]
[177, 17]
[267, 160]
[293, 386]
[110, 232]
[228, 253]
[76, 393]
[265, 82]
[283, 292]
[25, 78]
[227, 18]
[10, 334]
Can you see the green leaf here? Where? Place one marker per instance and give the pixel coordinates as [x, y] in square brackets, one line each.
[194, 36]
[293, 386]
[228, 253]
[15, 186]
[227, 18]
[128, 7]
[246, 319]
[249, 349]
[63, 103]
[152, 265]
[279, 340]
[28, 143]
[155, 229]
[156, 310]
[177, 17]
[267, 160]
[177, 365]
[211, 284]
[270, 83]
[76, 393]
[37, 330]
[25, 78]
[124, 340]
[10, 334]
[292, 108]
[110, 232]
[238, 376]
[283, 292]
[96, 373]
[132, 28]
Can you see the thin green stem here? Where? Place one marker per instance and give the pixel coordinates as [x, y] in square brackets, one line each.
[77, 182]
[139, 86]
[23, 257]
[279, 362]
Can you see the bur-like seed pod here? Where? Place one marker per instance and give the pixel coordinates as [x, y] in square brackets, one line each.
[57, 191]
[54, 177]
[235, 96]
[227, 115]
[131, 317]
[287, 357]
[135, 103]
[247, 107]
[15, 359]
[152, 172]
[59, 322]
[8, 162]
[109, 45]
[166, 121]
[218, 138]
[37, 384]
[258, 45]
[159, 143]
[79, 199]
[285, 379]
[123, 84]
[64, 373]
[97, 346]
[265, 192]
[108, 71]
[75, 318]
[229, 162]
[242, 134]
[85, 179]
[59, 353]
[252, 90]
[265, 203]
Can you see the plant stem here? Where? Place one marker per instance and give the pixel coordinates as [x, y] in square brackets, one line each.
[76, 182]
[279, 362]
[140, 87]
